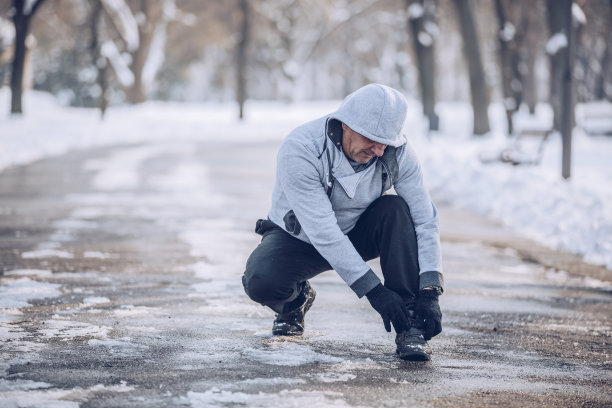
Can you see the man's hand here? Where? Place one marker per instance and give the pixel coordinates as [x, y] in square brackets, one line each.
[428, 309]
[391, 308]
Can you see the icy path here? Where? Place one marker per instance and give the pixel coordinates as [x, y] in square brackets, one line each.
[121, 287]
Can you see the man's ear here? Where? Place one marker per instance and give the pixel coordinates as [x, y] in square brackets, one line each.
[344, 127]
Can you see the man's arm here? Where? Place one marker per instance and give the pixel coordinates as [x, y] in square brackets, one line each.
[300, 178]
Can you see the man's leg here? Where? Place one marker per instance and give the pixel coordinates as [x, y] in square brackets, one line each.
[386, 229]
[276, 276]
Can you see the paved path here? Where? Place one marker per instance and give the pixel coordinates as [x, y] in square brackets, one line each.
[121, 287]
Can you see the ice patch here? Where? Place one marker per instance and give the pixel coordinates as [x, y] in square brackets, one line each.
[271, 381]
[6, 385]
[65, 330]
[130, 310]
[348, 365]
[16, 293]
[99, 255]
[334, 377]
[289, 354]
[121, 387]
[563, 278]
[41, 273]
[123, 346]
[38, 398]
[54, 398]
[94, 300]
[46, 253]
[286, 398]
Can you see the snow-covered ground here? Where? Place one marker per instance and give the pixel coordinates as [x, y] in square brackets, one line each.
[573, 215]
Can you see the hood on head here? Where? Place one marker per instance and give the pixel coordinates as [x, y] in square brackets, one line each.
[376, 112]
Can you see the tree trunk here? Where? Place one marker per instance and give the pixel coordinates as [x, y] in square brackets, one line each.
[471, 50]
[505, 64]
[567, 88]
[153, 12]
[529, 47]
[600, 87]
[556, 25]
[423, 43]
[99, 62]
[21, 22]
[241, 57]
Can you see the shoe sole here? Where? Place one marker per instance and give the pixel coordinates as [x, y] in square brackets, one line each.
[414, 356]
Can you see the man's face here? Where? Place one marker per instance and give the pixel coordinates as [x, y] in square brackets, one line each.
[359, 148]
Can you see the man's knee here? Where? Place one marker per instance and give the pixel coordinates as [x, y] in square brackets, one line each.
[260, 288]
[392, 208]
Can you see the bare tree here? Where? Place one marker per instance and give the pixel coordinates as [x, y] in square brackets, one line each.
[98, 61]
[471, 49]
[421, 21]
[531, 45]
[561, 50]
[22, 16]
[151, 19]
[556, 47]
[508, 57]
[241, 57]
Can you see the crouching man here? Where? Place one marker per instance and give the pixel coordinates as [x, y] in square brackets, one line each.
[329, 211]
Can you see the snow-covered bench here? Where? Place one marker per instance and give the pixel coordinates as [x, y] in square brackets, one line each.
[595, 118]
[526, 147]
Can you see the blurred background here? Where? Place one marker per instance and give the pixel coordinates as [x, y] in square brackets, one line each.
[489, 83]
[99, 53]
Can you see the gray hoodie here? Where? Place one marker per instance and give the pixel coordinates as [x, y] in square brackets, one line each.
[300, 202]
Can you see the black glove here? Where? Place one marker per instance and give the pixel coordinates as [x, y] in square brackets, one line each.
[428, 309]
[391, 308]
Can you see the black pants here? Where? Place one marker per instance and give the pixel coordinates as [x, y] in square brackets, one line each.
[280, 264]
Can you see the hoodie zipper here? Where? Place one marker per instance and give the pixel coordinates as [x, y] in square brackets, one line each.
[384, 179]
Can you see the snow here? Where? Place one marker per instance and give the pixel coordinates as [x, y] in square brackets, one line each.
[425, 39]
[99, 255]
[94, 300]
[415, 11]
[573, 215]
[16, 293]
[64, 329]
[124, 21]
[284, 398]
[120, 66]
[33, 394]
[46, 253]
[286, 353]
[29, 5]
[155, 58]
[7, 33]
[508, 32]
[578, 14]
[556, 43]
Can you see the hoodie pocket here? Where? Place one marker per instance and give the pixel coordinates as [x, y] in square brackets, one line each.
[292, 225]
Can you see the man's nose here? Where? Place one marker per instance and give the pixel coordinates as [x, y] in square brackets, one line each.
[379, 149]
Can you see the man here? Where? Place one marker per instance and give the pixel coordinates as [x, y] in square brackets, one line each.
[329, 212]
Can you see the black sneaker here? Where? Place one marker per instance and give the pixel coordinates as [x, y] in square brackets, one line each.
[292, 323]
[411, 345]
